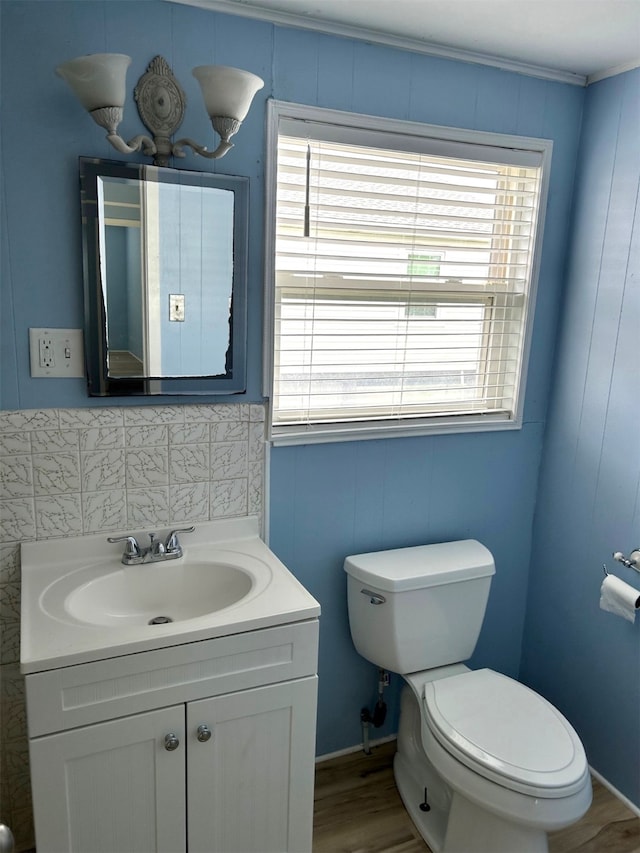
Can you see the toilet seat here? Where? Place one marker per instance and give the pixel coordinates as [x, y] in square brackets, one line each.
[505, 732]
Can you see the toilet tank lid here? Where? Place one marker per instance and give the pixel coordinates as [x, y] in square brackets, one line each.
[422, 565]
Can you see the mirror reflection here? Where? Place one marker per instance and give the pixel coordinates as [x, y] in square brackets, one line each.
[165, 286]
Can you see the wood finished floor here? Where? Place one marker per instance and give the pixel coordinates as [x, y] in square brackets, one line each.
[358, 810]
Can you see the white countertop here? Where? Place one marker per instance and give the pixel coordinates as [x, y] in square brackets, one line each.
[50, 638]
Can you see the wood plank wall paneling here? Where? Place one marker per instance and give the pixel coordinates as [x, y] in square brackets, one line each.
[582, 659]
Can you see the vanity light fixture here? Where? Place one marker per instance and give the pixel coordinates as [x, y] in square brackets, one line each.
[99, 82]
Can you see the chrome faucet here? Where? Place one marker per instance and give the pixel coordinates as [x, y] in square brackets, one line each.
[155, 551]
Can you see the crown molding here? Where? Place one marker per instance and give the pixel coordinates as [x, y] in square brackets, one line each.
[613, 72]
[287, 19]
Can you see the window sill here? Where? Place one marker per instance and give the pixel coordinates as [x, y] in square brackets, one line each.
[366, 431]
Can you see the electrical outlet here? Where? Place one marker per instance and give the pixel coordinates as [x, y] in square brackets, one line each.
[56, 352]
[45, 352]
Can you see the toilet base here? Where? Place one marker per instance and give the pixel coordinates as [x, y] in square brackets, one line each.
[453, 824]
[431, 825]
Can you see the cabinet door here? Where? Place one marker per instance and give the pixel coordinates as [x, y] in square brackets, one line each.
[112, 787]
[251, 784]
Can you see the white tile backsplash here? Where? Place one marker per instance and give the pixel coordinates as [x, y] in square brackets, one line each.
[16, 476]
[229, 498]
[54, 473]
[17, 519]
[103, 469]
[69, 471]
[11, 443]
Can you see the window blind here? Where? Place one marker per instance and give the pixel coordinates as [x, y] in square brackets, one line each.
[402, 279]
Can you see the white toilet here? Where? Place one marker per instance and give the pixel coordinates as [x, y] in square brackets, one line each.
[484, 765]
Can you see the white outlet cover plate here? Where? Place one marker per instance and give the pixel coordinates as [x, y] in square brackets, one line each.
[67, 348]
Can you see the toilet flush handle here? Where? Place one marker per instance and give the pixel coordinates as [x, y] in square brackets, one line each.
[374, 597]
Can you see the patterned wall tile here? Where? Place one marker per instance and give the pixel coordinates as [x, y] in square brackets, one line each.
[10, 642]
[189, 502]
[257, 413]
[28, 420]
[189, 463]
[98, 417]
[17, 520]
[229, 498]
[156, 435]
[229, 460]
[16, 476]
[217, 412]
[147, 467]
[196, 433]
[138, 415]
[230, 431]
[53, 440]
[102, 469]
[256, 488]
[256, 442]
[105, 510]
[147, 507]
[12, 442]
[10, 601]
[58, 515]
[55, 473]
[10, 563]
[101, 438]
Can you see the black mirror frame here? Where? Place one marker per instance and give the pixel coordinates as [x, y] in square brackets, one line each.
[100, 384]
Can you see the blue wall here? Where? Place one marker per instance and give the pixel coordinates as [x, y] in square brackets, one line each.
[49, 130]
[585, 660]
[327, 500]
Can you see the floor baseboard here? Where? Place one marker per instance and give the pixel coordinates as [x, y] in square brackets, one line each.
[616, 793]
[351, 749]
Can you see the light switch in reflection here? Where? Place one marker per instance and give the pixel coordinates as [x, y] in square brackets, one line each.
[176, 307]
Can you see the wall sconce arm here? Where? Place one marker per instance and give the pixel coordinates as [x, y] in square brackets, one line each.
[138, 143]
[109, 118]
[203, 151]
[225, 127]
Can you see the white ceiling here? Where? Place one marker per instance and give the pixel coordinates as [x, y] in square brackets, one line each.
[580, 39]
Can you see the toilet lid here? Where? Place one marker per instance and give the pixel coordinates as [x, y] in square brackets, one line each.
[500, 728]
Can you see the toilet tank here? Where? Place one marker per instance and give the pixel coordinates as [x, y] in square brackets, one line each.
[417, 608]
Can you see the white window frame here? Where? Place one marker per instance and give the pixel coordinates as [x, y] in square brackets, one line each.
[278, 112]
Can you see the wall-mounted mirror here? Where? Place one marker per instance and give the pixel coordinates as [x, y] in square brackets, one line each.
[165, 255]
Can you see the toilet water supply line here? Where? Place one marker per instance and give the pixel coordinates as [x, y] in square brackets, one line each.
[379, 712]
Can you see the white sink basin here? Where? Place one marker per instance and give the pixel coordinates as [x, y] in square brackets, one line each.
[80, 603]
[152, 593]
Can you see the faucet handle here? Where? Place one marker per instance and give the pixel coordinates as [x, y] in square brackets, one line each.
[172, 543]
[131, 549]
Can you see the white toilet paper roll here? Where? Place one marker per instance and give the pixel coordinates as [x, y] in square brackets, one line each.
[619, 597]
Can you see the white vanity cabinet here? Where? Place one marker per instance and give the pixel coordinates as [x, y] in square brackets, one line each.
[205, 747]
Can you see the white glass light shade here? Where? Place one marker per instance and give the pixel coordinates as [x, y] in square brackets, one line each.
[227, 91]
[98, 80]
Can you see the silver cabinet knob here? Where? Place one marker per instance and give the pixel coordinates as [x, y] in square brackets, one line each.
[6, 839]
[171, 742]
[203, 734]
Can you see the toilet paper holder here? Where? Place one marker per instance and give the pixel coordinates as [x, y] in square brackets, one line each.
[631, 562]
